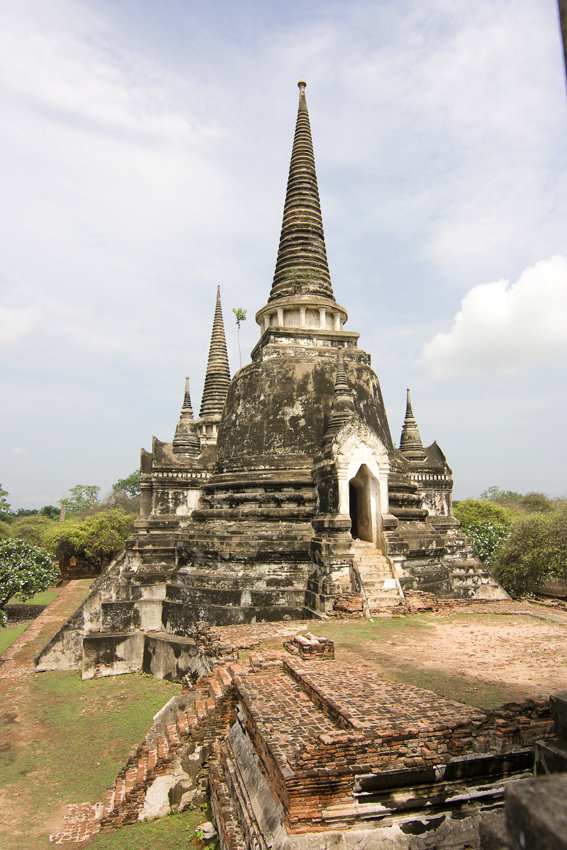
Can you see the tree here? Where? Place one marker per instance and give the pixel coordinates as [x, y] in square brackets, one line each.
[240, 316]
[495, 494]
[130, 485]
[96, 537]
[535, 551]
[472, 511]
[50, 511]
[5, 510]
[24, 571]
[81, 498]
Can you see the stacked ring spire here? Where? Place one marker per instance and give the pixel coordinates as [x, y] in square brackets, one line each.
[302, 267]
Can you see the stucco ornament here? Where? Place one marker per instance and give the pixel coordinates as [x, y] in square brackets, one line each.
[356, 445]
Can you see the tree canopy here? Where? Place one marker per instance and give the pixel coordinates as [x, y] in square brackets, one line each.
[129, 485]
[81, 498]
[25, 570]
[95, 537]
[493, 494]
[534, 552]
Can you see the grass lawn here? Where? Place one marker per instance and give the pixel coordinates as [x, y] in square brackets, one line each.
[9, 635]
[63, 740]
[39, 599]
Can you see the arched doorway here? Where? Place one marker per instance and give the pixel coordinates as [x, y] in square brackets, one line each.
[364, 505]
[353, 509]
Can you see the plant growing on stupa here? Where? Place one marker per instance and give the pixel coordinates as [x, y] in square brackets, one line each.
[240, 316]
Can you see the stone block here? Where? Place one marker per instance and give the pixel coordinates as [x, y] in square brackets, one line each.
[112, 654]
[170, 657]
[558, 709]
[536, 815]
[120, 616]
[550, 757]
[492, 832]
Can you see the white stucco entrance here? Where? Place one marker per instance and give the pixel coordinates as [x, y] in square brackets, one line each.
[363, 467]
[364, 505]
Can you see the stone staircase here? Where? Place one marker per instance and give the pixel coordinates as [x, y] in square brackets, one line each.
[380, 588]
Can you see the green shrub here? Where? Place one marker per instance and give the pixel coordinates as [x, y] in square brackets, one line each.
[31, 528]
[95, 537]
[24, 571]
[488, 536]
[472, 511]
[533, 503]
[535, 551]
[5, 530]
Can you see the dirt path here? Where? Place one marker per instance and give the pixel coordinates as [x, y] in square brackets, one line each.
[20, 730]
[17, 660]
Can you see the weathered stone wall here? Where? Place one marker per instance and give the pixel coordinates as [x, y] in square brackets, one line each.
[271, 402]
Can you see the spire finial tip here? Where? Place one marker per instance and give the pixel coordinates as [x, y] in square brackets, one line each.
[302, 83]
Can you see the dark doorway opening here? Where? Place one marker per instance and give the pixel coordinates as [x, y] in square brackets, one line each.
[353, 509]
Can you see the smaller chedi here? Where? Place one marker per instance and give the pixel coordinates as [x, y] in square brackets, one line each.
[286, 493]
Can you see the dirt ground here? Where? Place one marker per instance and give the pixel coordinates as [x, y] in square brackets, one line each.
[485, 654]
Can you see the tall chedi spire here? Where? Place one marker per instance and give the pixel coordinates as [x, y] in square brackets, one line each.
[410, 441]
[186, 441]
[217, 380]
[301, 296]
[302, 259]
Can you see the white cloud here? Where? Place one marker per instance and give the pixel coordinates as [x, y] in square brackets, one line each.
[502, 328]
[17, 452]
[15, 324]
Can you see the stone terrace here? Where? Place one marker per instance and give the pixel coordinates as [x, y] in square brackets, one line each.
[298, 705]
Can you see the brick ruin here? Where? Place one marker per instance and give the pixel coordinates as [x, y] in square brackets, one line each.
[318, 754]
[286, 498]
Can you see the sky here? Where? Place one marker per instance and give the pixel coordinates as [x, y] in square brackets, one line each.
[144, 156]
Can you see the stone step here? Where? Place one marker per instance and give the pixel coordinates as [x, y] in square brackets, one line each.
[375, 571]
[382, 591]
[389, 597]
